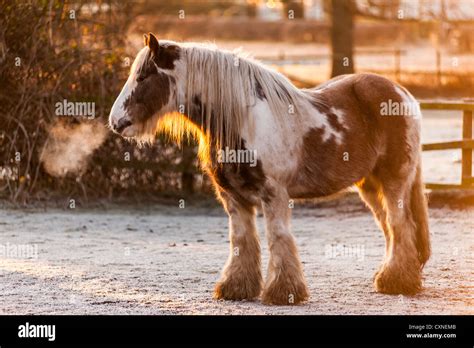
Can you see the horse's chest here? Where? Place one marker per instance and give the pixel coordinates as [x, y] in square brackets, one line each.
[245, 182]
[275, 146]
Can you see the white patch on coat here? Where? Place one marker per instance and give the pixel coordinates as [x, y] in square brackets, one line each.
[340, 116]
[313, 118]
[265, 135]
[279, 145]
[118, 112]
[338, 135]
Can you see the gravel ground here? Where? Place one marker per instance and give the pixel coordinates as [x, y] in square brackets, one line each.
[165, 260]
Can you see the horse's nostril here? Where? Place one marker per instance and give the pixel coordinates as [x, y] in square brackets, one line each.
[122, 124]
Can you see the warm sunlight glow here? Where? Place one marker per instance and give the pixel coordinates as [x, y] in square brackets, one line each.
[271, 4]
[178, 128]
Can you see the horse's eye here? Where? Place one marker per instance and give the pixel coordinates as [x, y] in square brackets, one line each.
[140, 78]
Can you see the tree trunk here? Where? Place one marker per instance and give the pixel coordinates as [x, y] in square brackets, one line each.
[251, 9]
[342, 40]
[293, 9]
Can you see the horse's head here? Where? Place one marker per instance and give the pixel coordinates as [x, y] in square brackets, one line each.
[149, 92]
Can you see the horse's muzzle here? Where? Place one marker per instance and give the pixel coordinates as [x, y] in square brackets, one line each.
[121, 125]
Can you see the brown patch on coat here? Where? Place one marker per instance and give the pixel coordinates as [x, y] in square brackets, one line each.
[375, 144]
[167, 56]
[320, 103]
[323, 169]
[334, 122]
[153, 86]
[259, 90]
[163, 55]
[244, 183]
[148, 97]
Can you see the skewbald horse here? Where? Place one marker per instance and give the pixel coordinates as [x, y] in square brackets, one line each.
[308, 142]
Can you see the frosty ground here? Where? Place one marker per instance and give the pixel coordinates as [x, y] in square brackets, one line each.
[165, 260]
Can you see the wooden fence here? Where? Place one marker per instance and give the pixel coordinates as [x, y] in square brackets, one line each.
[397, 72]
[283, 58]
[466, 144]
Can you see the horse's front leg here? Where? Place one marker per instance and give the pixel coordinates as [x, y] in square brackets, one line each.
[285, 283]
[242, 276]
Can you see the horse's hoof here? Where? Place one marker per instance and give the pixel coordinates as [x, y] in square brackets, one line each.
[398, 281]
[237, 289]
[285, 293]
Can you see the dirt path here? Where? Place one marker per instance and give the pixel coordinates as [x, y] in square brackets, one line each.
[166, 261]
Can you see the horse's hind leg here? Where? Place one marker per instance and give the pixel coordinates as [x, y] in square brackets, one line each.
[242, 276]
[370, 191]
[408, 245]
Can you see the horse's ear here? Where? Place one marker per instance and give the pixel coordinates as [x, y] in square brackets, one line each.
[153, 43]
[145, 39]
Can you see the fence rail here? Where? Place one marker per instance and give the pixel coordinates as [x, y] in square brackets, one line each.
[283, 58]
[466, 144]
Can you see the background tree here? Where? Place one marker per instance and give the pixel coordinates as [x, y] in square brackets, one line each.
[296, 6]
[342, 36]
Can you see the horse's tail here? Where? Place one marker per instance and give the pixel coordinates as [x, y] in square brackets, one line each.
[419, 208]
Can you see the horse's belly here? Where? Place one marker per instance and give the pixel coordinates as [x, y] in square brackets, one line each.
[327, 167]
[312, 189]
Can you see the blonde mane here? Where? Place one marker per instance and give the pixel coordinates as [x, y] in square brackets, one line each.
[227, 84]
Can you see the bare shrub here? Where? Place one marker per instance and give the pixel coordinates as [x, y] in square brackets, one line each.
[51, 51]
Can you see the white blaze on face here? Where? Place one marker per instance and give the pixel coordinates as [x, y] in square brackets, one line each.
[118, 111]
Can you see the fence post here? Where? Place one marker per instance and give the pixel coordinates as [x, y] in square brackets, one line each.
[438, 66]
[466, 153]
